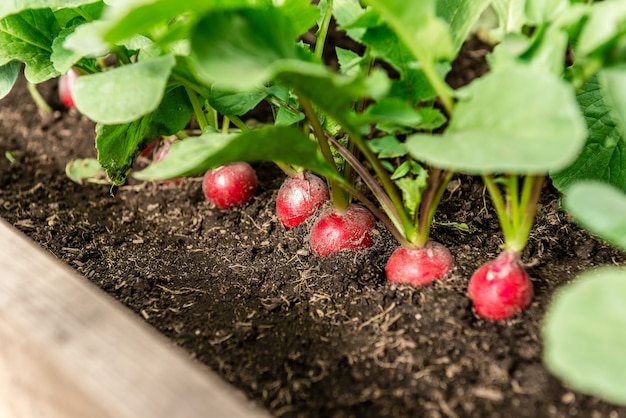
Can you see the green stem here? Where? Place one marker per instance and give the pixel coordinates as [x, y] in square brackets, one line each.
[369, 180]
[397, 234]
[500, 207]
[239, 123]
[388, 185]
[338, 196]
[38, 98]
[512, 200]
[323, 30]
[429, 205]
[201, 117]
[534, 184]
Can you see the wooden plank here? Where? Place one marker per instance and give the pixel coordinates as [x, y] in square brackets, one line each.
[69, 350]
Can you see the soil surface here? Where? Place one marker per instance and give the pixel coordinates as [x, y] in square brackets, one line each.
[302, 336]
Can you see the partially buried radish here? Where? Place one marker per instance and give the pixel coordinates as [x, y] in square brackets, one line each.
[419, 266]
[336, 231]
[500, 288]
[299, 197]
[230, 185]
[66, 87]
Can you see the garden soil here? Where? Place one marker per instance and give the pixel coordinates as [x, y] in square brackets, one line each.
[300, 335]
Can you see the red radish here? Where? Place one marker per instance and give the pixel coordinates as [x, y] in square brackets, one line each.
[149, 148]
[66, 87]
[230, 185]
[299, 197]
[500, 288]
[419, 266]
[335, 231]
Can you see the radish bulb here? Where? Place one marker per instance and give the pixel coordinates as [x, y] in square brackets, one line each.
[500, 288]
[419, 266]
[299, 197]
[230, 185]
[336, 231]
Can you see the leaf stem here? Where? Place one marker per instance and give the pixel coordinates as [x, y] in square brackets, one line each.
[201, 117]
[534, 184]
[338, 196]
[428, 206]
[323, 30]
[500, 207]
[408, 227]
[38, 98]
[369, 180]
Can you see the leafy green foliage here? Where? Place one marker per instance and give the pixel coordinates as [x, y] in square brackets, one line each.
[600, 208]
[461, 15]
[584, 335]
[112, 97]
[490, 132]
[8, 75]
[27, 37]
[273, 143]
[119, 144]
[86, 170]
[604, 154]
[11, 7]
[417, 25]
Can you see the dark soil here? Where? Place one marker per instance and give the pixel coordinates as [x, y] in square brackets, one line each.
[301, 335]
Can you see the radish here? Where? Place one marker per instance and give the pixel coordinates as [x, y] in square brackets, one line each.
[299, 197]
[336, 231]
[66, 88]
[419, 266]
[500, 288]
[230, 185]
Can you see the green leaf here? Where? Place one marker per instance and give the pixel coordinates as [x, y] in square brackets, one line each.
[333, 93]
[584, 334]
[118, 145]
[412, 190]
[272, 143]
[604, 154]
[9, 7]
[542, 11]
[533, 126]
[510, 14]
[86, 40]
[600, 208]
[28, 37]
[418, 26]
[346, 12]
[604, 27]
[614, 82]
[392, 115]
[258, 41]
[86, 169]
[349, 61]
[131, 17]
[413, 84]
[8, 76]
[228, 102]
[387, 147]
[461, 15]
[62, 58]
[125, 93]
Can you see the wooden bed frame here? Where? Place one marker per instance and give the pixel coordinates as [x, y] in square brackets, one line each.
[68, 350]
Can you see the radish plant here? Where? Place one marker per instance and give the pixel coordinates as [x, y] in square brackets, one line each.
[391, 140]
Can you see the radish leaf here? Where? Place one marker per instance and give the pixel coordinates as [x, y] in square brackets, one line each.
[584, 334]
[490, 132]
[273, 143]
[123, 94]
[604, 154]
